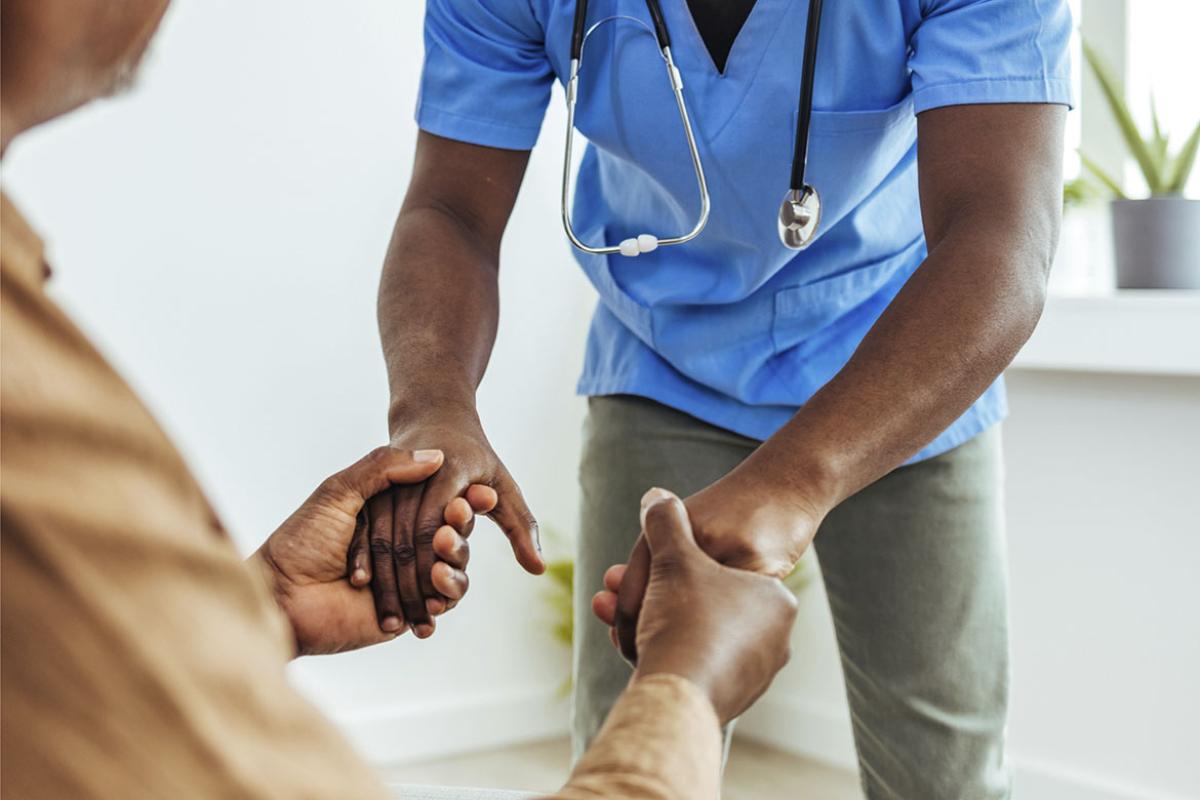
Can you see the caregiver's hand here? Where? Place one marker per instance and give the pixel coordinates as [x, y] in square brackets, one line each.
[747, 521]
[396, 552]
[725, 630]
[304, 561]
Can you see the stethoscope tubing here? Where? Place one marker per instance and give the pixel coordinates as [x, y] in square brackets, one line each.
[800, 212]
[812, 32]
[676, 89]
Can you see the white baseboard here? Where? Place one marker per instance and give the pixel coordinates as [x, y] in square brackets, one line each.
[1036, 780]
[464, 724]
[823, 733]
[490, 720]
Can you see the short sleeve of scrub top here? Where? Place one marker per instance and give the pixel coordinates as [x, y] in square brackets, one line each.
[732, 328]
[983, 51]
[487, 78]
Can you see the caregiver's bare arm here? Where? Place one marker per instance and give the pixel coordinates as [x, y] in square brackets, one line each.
[991, 199]
[991, 202]
[438, 311]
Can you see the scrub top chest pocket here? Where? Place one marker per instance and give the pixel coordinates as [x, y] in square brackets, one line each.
[874, 226]
[876, 142]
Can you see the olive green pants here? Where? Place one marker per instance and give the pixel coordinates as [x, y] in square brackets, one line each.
[914, 567]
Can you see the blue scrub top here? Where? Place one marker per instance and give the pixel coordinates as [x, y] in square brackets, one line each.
[732, 327]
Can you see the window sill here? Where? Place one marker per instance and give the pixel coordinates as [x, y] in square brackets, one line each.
[1145, 332]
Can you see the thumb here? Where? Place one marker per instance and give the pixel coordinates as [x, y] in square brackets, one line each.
[666, 525]
[378, 470]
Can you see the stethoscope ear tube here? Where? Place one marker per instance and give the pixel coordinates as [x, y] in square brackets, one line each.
[804, 118]
[660, 24]
[581, 9]
[578, 32]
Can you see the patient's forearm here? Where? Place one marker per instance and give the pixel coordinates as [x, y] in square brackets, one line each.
[662, 741]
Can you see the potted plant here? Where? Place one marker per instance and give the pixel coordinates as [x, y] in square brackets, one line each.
[1156, 239]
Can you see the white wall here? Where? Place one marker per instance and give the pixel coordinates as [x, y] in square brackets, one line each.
[1104, 542]
[221, 232]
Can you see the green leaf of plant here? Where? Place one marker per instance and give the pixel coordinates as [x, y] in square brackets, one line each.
[1102, 176]
[1183, 163]
[1079, 192]
[1120, 111]
[1159, 146]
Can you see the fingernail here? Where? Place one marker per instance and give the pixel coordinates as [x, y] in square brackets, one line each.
[537, 539]
[653, 497]
[427, 456]
[424, 631]
[390, 624]
[359, 576]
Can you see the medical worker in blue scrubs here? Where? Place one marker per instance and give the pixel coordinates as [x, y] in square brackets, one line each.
[850, 391]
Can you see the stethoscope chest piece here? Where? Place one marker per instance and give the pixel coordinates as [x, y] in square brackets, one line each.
[799, 216]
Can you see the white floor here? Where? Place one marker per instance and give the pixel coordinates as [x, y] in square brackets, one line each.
[755, 772]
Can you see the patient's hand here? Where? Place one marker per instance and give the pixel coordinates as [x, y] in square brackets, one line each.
[304, 561]
[724, 629]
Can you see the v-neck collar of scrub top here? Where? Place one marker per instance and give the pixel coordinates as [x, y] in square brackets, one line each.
[746, 56]
[732, 327]
[721, 15]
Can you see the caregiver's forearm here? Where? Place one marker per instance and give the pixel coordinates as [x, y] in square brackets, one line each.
[438, 310]
[954, 327]
[438, 296]
[991, 212]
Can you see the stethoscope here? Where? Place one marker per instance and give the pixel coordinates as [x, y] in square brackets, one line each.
[800, 212]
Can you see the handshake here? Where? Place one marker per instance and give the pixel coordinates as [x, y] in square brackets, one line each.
[672, 609]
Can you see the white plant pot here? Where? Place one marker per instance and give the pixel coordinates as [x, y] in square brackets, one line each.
[1156, 243]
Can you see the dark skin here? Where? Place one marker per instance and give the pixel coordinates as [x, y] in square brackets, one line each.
[725, 630]
[990, 194]
[304, 561]
[438, 327]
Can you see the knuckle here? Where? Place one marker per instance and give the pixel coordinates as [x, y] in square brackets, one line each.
[403, 553]
[424, 534]
[333, 486]
[380, 455]
[381, 547]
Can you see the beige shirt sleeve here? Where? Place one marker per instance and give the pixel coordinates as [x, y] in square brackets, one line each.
[141, 658]
[662, 741]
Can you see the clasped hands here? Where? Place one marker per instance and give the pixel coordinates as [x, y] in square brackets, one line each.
[725, 630]
[384, 522]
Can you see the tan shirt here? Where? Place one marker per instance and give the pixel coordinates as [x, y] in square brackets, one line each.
[140, 659]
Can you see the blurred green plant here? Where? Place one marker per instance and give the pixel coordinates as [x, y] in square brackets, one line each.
[1166, 173]
[1080, 192]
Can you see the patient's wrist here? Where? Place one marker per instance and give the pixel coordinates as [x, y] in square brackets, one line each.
[260, 564]
[681, 671]
[675, 681]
